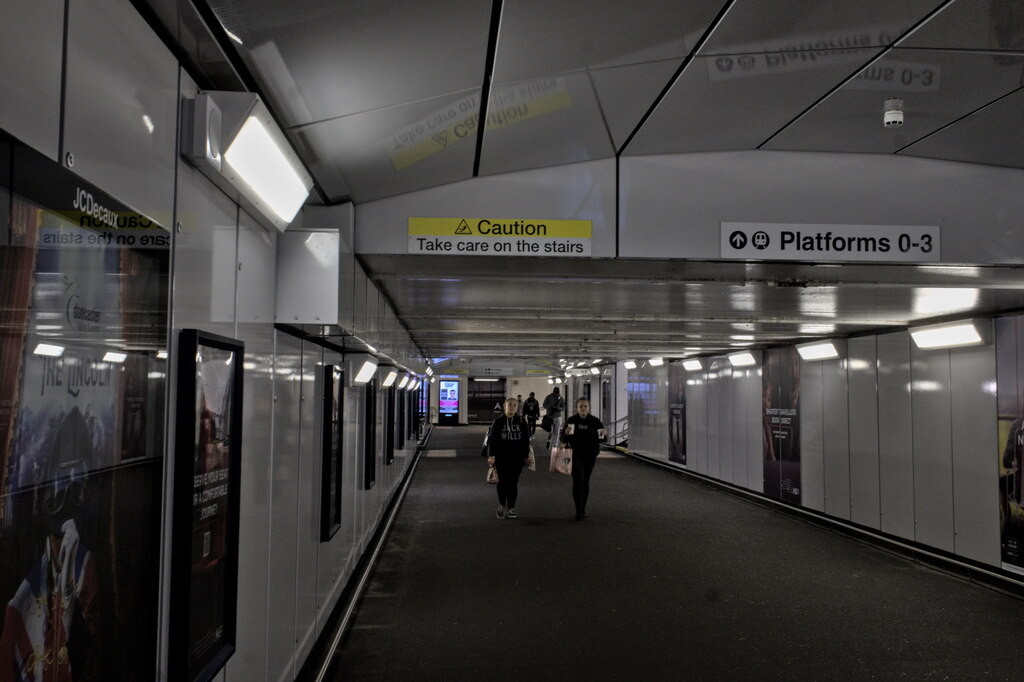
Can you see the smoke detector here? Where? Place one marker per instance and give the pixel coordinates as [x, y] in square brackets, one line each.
[893, 116]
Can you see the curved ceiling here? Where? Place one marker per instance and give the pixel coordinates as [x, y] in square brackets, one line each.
[385, 97]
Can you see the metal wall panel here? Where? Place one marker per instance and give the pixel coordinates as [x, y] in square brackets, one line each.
[121, 106]
[895, 436]
[864, 416]
[933, 456]
[308, 512]
[31, 51]
[284, 500]
[726, 419]
[812, 455]
[309, 278]
[836, 435]
[975, 453]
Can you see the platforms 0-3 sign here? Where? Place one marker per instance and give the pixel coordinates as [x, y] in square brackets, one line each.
[813, 242]
[500, 237]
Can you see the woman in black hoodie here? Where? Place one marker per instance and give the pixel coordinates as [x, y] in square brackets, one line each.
[508, 443]
[584, 433]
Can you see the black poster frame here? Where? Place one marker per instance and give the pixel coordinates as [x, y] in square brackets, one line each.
[389, 426]
[183, 602]
[370, 442]
[332, 446]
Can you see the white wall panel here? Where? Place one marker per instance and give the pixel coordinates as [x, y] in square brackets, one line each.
[812, 455]
[249, 661]
[715, 416]
[755, 427]
[974, 205]
[697, 422]
[121, 106]
[864, 416]
[257, 271]
[933, 456]
[726, 420]
[836, 436]
[741, 415]
[31, 52]
[307, 526]
[578, 191]
[895, 436]
[975, 453]
[284, 496]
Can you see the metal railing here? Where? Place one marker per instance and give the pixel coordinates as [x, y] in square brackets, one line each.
[618, 432]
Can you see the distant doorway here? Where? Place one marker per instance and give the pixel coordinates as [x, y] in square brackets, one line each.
[485, 399]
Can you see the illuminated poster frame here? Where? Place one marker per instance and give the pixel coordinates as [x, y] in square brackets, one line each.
[448, 401]
[204, 554]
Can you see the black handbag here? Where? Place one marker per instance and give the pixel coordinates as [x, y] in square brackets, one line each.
[546, 422]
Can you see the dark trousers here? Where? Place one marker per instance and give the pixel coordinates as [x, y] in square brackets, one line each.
[582, 468]
[533, 424]
[509, 469]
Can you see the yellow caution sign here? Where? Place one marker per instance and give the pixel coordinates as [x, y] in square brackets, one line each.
[500, 236]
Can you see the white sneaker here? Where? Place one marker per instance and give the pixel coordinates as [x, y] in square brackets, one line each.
[511, 513]
[501, 512]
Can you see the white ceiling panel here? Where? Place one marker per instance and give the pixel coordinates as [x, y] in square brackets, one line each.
[973, 25]
[729, 89]
[542, 38]
[396, 150]
[342, 58]
[992, 135]
[625, 94]
[937, 87]
[543, 122]
[752, 26]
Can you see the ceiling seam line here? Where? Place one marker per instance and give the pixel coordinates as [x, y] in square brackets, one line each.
[485, 88]
[955, 121]
[671, 81]
[884, 50]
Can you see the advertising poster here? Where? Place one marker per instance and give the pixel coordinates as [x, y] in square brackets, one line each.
[210, 508]
[1010, 402]
[780, 385]
[677, 413]
[449, 400]
[82, 319]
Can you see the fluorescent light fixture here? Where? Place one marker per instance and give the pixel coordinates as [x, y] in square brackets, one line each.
[657, 362]
[477, 379]
[558, 380]
[404, 381]
[629, 364]
[433, 380]
[551, 381]
[161, 355]
[744, 359]
[952, 335]
[390, 379]
[595, 370]
[366, 372]
[596, 361]
[430, 371]
[413, 386]
[693, 365]
[113, 356]
[49, 350]
[818, 350]
[258, 163]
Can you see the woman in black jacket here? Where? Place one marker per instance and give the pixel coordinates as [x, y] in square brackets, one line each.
[583, 432]
[508, 444]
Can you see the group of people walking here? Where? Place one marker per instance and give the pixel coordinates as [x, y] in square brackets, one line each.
[508, 446]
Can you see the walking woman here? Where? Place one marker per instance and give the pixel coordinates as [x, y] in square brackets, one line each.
[508, 450]
[583, 433]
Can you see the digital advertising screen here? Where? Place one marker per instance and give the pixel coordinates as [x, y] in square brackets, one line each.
[449, 398]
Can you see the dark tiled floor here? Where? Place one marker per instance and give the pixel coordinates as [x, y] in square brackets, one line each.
[666, 579]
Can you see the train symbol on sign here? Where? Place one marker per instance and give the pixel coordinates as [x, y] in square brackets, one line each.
[738, 239]
[760, 240]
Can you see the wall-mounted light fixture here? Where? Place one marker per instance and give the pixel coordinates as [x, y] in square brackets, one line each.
[595, 370]
[114, 356]
[629, 364]
[404, 381]
[389, 380]
[363, 367]
[948, 335]
[657, 362]
[744, 359]
[693, 365]
[817, 350]
[233, 140]
[49, 350]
